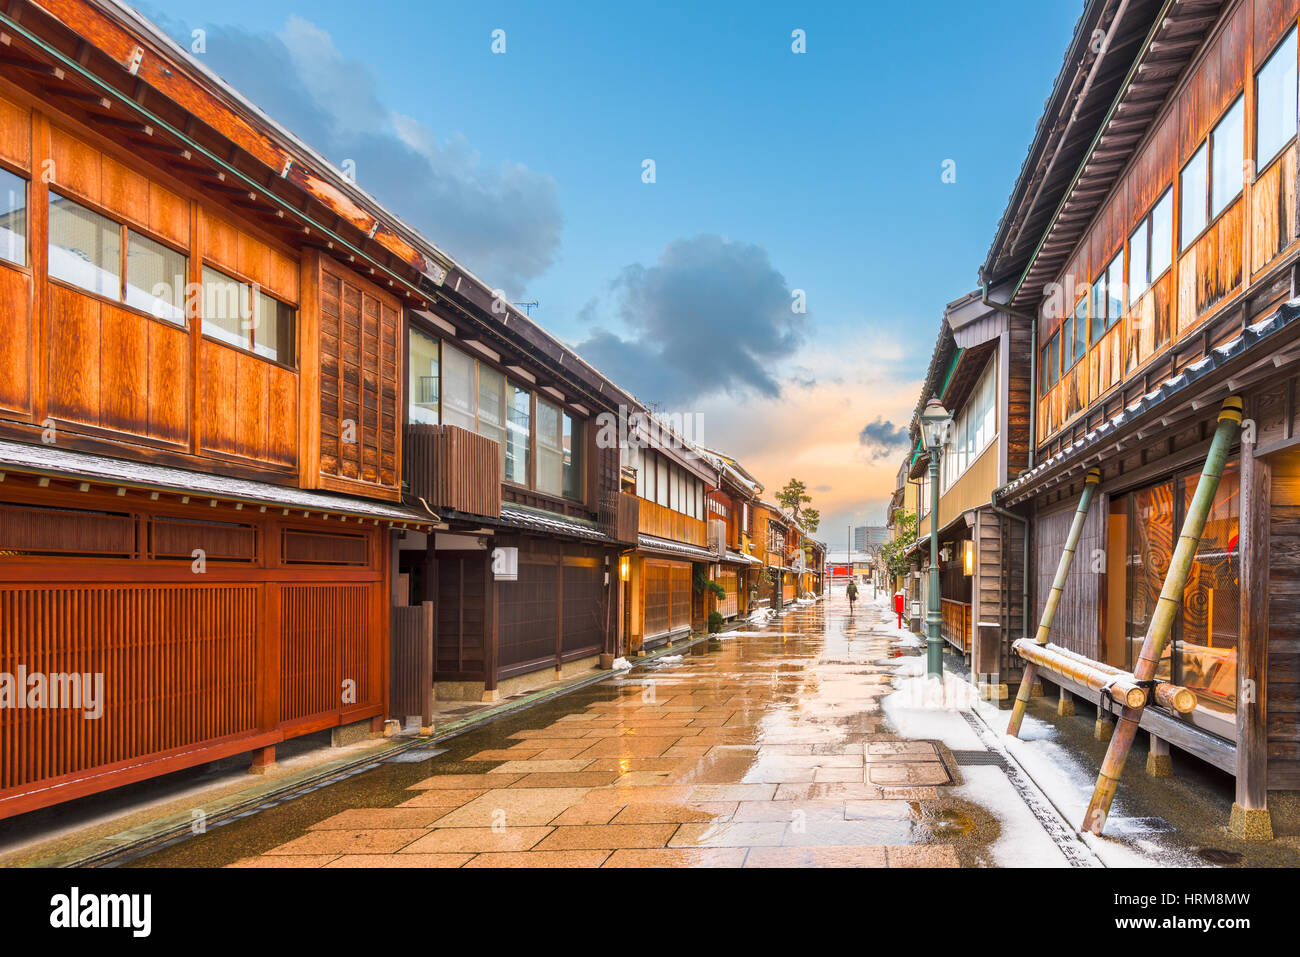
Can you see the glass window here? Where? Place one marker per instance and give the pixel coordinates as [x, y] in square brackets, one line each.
[574, 486]
[1162, 235]
[1115, 289]
[492, 409]
[227, 308]
[675, 489]
[1054, 357]
[457, 388]
[85, 248]
[550, 448]
[1227, 158]
[517, 434]
[1192, 184]
[1099, 306]
[155, 278]
[1080, 330]
[422, 362]
[273, 329]
[1045, 370]
[1275, 102]
[661, 481]
[13, 218]
[1137, 262]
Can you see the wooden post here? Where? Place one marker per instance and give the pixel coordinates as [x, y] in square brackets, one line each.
[1250, 818]
[1065, 704]
[1160, 763]
[426, 668]
[1030, 675]
[1167, 608]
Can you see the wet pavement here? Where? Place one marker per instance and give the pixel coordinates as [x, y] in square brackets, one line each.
[768, 747]
[793, 743]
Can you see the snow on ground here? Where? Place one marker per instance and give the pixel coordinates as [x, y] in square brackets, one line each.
[621, 664]
[670, 659]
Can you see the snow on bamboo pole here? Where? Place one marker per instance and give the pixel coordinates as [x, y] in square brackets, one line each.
[1167, 608]
[1119, 686]
[1172, 696]
[1090, 483]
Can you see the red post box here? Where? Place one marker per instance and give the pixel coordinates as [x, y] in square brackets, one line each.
[898, 607]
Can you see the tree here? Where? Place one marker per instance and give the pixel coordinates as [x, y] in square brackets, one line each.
[792, 499]
[894, 553]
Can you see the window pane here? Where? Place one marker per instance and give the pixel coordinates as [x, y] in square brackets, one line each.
[1275, 104]
[550, 449]
[1192, 183]
[457, 388]
[517, 434]
[1097, 323]
[1151, 537]
[13, 218]
[661, 482]
[155, 278]
[422, 360]
[1162, 234]
[1115, 289]
[85, 248]
[1137, 263]
[1207, 652]
[491, 423]
[1080, 330]
[1227, 154]
[1045, 370]
[573, 442]
[273, 329]
[227, 309]
[1054, 357]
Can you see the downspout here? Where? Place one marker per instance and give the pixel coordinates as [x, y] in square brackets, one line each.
[1032, 319]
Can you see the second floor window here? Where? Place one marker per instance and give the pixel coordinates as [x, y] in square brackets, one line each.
[13, 218]
[1150, 247]
[86, 250]
[974, 427]
[1212, 178]
[1275, 102]
[240, 314]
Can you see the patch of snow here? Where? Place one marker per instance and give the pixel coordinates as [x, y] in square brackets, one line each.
[621, 664]
[670, 659]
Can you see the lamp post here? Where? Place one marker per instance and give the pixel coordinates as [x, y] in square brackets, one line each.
[934, 425]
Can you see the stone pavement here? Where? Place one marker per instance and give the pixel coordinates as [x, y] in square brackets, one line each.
[768, 748]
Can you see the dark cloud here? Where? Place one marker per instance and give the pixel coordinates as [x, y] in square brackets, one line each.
[712, 315]
[880, 438]
[504, 223]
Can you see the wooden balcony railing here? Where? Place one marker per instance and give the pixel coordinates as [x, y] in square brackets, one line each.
[662, 522]
[955, 627]
[619, 516]
[450, 467]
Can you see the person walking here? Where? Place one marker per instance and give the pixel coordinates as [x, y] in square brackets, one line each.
[852, 592]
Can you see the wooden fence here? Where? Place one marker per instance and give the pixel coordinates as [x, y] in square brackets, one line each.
[410, 686]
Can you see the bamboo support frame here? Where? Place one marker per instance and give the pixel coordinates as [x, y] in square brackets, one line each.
[1090, 483]
[1121, 687]
[1172, 696]
[1167, 608]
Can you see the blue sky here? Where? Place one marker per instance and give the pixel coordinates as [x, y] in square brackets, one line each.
[775, 172]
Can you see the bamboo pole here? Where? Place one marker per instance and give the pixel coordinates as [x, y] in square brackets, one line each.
[1167, 608]
[1027, 680]
[1172, 696]
[1120, 687]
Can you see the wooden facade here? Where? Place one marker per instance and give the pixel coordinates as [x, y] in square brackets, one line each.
[1155, 290]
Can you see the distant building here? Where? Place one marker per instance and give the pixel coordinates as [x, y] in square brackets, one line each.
[869, 538]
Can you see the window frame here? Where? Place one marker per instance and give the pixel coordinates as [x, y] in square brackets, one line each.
[1262, 163]
[1207, 146]
[254, 289]
[25, 178]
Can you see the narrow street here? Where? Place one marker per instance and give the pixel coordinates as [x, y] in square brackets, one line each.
[776, 746]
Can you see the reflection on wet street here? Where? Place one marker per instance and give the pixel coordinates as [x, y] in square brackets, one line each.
[768, 747]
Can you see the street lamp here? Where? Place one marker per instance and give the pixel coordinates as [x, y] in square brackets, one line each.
[934, 427]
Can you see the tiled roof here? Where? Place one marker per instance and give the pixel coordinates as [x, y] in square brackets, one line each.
[652, 543]
[739, 559]
[535, 519]
[54, 461]
[1162, 394]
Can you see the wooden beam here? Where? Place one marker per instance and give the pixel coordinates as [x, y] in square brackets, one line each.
[1252, 647]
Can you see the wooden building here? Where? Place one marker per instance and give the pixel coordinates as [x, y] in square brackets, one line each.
[978, 371]
[200, 414]
[1149, 250]
[731, 519]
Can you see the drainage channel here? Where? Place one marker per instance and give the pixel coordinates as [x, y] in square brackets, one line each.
[1040, 806]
